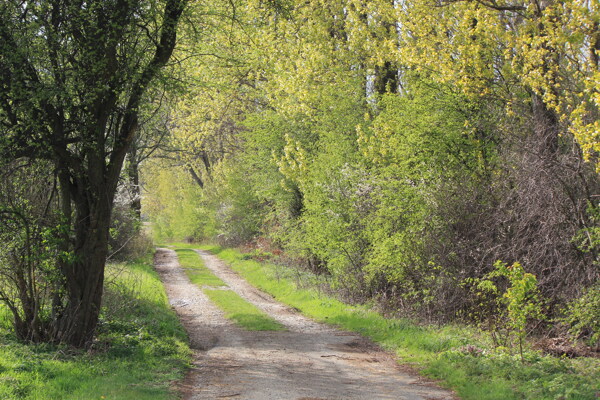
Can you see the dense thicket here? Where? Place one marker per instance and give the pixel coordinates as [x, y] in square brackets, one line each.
[402, 148]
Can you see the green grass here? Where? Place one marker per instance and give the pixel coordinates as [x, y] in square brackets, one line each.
[438, 352]
[243, 313]
[177, 245]
[140, 350]
[195, 269]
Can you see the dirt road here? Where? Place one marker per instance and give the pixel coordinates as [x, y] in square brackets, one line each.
[308, 361]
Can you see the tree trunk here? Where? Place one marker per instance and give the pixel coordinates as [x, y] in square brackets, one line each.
[86, 131]
[196, 177]
[84, 276]
[134, 181]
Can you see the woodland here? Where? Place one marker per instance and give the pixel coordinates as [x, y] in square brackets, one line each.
[435, 158]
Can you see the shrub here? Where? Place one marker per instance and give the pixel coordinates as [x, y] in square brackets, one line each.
[583, 316]
[518, 303]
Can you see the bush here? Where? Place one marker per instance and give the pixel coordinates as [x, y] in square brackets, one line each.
[583, 316]
[517, 304]
[31, 231]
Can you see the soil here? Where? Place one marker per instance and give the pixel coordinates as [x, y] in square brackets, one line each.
[307, 361]
[565, 347]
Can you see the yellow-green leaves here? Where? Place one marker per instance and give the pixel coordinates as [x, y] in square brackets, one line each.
[293, 164]
[519, 303]
[548, 48]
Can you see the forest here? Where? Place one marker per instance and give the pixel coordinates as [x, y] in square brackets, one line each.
[436, 159]
[425, 155]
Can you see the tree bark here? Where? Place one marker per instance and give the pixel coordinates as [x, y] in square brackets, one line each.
[134, 180]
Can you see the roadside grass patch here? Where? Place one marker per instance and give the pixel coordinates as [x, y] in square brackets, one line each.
[243, 313]
[140, 349]
[194, 268]
[177, 245]
[459, 357]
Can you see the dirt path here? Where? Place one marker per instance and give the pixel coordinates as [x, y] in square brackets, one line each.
[309, 361]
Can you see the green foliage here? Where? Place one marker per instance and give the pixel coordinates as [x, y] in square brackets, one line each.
[420, 150]
[583, 316]
[519, 303]
[588, 238]
[173, 205]
[32, 233]
[238, 213]
[341, 136]
[521, 298]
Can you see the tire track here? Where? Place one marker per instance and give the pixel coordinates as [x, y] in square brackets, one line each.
[310, 361]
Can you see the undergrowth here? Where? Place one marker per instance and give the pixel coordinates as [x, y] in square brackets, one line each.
[139, 351]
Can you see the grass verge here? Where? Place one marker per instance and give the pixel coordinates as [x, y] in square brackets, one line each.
[243, 313]
[195, 269]
[459, 357]
[140, 350]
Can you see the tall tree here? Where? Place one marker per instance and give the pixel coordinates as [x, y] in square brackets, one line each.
[73, 76]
